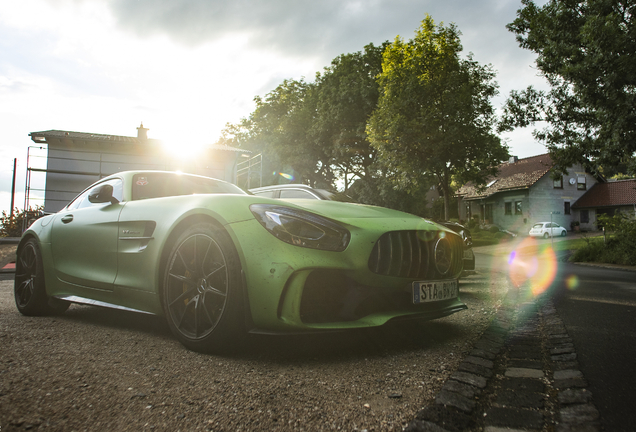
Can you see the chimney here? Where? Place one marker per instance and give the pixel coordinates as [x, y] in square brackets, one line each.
[142, 132]
[513, 159]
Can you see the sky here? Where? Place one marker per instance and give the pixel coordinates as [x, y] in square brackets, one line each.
[185, 68]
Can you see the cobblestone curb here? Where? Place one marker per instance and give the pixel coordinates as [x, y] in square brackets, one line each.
[522, 375]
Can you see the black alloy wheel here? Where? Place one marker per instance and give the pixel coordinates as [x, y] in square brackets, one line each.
[201, 289]
[29, 287]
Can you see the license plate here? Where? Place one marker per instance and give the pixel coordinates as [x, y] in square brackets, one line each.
[424, 292]
[468, 254]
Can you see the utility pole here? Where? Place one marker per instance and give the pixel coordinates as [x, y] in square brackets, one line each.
[15, 161]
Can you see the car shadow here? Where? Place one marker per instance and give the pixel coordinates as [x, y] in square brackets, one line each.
[390, 339]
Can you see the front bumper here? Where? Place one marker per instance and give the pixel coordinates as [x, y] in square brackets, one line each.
[292, 289]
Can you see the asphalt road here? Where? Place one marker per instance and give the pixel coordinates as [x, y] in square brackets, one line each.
[599, 312]
[598, 307]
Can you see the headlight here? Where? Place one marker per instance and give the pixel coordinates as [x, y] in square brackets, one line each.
[301, 228]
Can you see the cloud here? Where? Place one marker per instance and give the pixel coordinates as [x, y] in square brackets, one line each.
[309, 27]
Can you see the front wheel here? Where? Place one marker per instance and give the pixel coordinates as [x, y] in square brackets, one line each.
[202, 292]
[29, 288]
[564, 233]
[546, 235]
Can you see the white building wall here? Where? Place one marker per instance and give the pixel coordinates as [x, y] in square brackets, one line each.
[73, 166]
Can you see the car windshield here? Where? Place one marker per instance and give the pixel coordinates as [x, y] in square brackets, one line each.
[157, 185]
[540, 225]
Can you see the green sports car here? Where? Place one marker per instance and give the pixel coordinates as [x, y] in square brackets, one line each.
[218, 262]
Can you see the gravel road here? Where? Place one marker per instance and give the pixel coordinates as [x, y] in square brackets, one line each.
[102, 370]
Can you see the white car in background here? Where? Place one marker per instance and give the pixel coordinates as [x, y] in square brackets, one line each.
[547, 230]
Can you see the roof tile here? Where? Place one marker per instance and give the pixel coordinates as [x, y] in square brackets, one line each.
[622, 192]
[512, 175]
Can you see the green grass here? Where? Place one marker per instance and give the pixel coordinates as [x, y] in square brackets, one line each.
[485, 238]
[585, 249]
[573, 244]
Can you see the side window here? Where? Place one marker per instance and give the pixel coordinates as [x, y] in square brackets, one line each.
[265, 194]
[118, 189]
[83, 202]
[296, 193]
[77, 201]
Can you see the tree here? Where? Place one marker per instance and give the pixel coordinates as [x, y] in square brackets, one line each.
[587, 52]
[347, 95]
[281, 127]
[434, 120]
[317, 129]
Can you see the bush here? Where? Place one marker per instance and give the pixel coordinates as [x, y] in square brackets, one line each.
[493, 229]
[11, 225]
[619, 249]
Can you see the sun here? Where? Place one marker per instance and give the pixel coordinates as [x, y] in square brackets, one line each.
[184, 149]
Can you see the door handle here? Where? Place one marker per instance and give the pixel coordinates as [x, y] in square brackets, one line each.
[67, 218]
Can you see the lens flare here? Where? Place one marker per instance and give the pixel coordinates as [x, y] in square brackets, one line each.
[286, 176]
[572, 282]
[532, 266]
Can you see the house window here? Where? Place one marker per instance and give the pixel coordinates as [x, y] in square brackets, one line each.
[558, 184]
[566, 209]
[585, 216]
[518, 208]
[580, 184]
[508, 208]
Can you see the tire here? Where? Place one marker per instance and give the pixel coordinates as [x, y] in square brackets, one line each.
[202, 290]
[564, 233]
[29, 287]
[546, 235]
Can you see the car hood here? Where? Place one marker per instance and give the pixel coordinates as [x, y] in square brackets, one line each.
[361, 214]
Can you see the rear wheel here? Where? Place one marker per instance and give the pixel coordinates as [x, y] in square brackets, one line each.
[546, 235]
[202, 293]
[29, 288]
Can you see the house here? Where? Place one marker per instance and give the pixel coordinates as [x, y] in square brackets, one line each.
[524, 192]
[77, 159]
[606, 198]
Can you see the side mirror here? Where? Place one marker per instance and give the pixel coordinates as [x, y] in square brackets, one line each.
[103, 194]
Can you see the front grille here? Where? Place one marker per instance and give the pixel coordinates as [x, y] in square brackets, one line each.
[411, 254]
